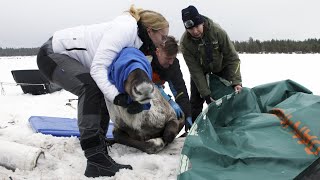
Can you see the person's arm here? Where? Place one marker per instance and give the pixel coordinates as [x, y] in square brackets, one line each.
[196, 71]
[177, 85]
[118, 36]
[230, 58]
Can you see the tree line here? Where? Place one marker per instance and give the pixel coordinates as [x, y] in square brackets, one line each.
[18, 51]
[250, 46]
[278, 46]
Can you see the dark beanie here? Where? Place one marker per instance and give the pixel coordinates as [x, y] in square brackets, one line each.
[191, 17]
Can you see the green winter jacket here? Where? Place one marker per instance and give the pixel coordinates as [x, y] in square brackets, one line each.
[222, 58]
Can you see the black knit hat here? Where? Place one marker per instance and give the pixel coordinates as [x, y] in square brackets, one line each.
[191, 17]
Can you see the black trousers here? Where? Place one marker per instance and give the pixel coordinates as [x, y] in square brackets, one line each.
[196, 101]
[70, 74]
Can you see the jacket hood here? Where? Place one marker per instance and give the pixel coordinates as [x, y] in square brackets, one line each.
[128, 60]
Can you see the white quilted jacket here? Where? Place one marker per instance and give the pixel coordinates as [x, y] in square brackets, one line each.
[96, 46]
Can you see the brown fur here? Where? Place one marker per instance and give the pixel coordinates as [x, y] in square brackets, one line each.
[151, 129]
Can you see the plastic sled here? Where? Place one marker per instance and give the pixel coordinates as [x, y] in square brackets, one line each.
[60, 127]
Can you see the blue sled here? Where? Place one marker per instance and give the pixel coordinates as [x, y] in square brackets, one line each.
[61, 127]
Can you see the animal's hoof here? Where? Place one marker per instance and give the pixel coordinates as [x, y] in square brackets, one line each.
[169, 137]
[154, 145]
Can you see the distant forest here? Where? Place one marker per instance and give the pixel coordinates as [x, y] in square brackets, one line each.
[18, 51]
[278, 46]
[251, 46]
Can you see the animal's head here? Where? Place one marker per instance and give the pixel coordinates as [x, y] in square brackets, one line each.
[139, 86]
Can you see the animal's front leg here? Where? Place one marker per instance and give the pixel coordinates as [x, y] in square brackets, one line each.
[151, 146]
[171, 130]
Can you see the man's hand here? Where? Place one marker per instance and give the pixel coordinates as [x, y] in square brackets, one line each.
[176, 108]
[209, 99]
[237, 88]
[188, 123]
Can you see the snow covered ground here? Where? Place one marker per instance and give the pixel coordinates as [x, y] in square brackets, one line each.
[63, 156]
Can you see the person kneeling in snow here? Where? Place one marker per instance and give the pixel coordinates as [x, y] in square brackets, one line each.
[166, 67]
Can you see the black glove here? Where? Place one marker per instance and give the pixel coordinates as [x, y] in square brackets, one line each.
[134, 107]
[209, 99]
[121, 100]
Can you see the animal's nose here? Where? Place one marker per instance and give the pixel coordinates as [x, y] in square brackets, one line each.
[144, 93]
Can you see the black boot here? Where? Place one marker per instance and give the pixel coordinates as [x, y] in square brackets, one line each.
[99, 163]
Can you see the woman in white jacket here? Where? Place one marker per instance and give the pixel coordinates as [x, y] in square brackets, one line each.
[77, 59]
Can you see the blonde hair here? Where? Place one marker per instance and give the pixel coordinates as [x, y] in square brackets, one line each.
[149, 18]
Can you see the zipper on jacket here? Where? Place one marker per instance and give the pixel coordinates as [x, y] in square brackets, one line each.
[79, 49]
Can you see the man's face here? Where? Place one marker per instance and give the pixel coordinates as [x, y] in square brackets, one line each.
[164, 59]
[196, 31]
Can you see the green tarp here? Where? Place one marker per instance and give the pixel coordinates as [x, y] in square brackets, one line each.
[267, 132]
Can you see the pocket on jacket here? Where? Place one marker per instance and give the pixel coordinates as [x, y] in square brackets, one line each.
[74, 44]
[217, 58]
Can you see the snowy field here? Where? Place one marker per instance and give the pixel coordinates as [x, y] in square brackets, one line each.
[64, 158]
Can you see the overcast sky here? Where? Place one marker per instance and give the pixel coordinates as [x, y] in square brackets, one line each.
[29, 23]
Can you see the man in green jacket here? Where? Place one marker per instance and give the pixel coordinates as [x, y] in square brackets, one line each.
[207, 49]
